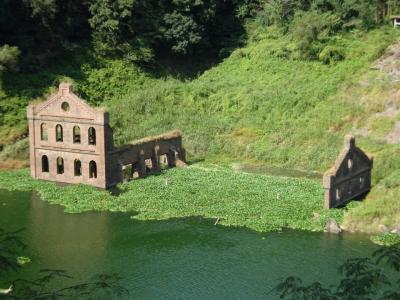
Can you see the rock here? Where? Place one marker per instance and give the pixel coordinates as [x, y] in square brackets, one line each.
[333, 227]
[393, 136]
[396, 229]
[383, 228]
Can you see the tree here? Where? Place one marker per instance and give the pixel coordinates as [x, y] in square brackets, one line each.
[391, 7]
[182, 32]
[281, 12]
[311, 29]
[43, 29]
[111, 23]
[8, 58]
[364, 278]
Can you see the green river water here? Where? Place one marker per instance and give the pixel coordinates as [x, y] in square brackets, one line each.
[174, 259]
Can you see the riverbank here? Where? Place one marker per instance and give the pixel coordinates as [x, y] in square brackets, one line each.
[258, 202]
[255, 201]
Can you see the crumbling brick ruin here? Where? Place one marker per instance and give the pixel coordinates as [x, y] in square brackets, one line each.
[350, 176]
[72, 142]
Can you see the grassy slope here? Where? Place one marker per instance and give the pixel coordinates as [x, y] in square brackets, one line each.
[253, 106]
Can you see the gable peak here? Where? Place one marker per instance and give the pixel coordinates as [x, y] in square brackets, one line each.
[349, 141]
[65, 88]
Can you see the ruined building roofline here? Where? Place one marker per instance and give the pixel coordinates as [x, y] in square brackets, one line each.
[349, 143]
[174, 134]
[68, 88]
[349, 177]
[65, 90]
[166, 136]
[72, 142]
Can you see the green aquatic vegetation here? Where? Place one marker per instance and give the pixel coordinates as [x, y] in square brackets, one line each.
[387, 239]
[259, 202]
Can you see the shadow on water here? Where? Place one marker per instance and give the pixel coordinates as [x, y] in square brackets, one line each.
[176, 258]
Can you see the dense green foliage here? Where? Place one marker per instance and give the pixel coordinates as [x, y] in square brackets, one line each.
[139, 29]
[8, 57]
[42, 29]
[135, 29]
[237, 109]
[258, 202]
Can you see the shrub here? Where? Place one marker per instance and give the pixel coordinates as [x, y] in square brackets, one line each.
[19, 149]
[331, 54]
[139, 55]
[8, 57]
[310, 29]
[278, 12]
[281, 52]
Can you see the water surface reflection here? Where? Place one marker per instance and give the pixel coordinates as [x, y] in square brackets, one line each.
[181, 258]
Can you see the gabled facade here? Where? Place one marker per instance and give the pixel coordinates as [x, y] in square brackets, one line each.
[72, 142]
[69, 140]
[350, 176]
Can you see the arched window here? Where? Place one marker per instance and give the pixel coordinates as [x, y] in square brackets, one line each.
[59, 133]
[43, 132]
[92, 169]
[77, 135]
[362, 182]
[338, 194]
[77, 167]
[45, 164]
[350, 163]
[60, 165]
[92, 136]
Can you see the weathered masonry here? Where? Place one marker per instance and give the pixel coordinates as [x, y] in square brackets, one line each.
[350, 176]
[72, 142]
[395, 21]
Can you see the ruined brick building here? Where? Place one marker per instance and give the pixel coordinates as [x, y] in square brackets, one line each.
[72, 142]
[349, 177]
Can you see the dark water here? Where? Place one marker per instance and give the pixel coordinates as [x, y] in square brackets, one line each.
[175, 259]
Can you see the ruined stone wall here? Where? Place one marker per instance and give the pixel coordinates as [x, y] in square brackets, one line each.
[350, 176]
[75, 119]
[151, 148]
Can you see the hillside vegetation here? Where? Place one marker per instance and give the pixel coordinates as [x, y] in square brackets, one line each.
[276, 100]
